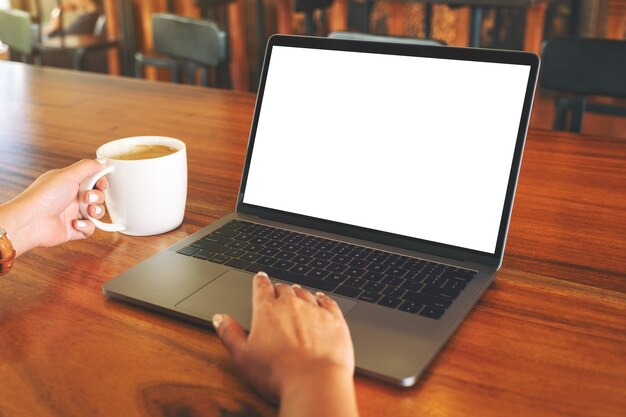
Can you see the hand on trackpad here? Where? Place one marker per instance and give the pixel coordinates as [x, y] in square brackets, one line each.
[231, 293]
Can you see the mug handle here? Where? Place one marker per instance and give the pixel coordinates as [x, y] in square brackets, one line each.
[87, 185]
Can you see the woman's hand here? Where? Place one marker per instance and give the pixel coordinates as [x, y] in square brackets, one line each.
[299, 349]
[46, 213]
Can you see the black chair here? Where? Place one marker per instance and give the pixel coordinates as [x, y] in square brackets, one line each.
[309, 7]
[357, 36]
[189, 44]
[576, 68]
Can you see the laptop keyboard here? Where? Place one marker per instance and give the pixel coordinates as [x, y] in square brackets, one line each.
[400, 282]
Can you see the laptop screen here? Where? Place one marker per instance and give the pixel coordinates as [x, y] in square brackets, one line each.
[414, 146]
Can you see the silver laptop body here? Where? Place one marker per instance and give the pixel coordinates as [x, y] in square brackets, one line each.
[405, 151]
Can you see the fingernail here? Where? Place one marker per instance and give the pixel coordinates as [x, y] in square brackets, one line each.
[320, 294]
[295, 286]
[217, 320]
[102, 161]
[263, 274]
[81, 224]
[92, 198]
[97, 210]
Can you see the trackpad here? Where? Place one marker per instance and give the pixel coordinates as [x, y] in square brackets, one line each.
[232, 294]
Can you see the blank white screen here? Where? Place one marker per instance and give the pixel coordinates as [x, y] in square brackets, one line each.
[419, 147]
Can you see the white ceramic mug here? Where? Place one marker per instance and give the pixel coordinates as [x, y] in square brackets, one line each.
[145, 196]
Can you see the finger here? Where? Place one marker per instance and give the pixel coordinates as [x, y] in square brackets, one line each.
[328, 303]
[304, 294]
[262, 291]
[93, 197]
[83, 169]
[85, 227]
[283, 290]
[231, 334]
[96, 211]
[102, 184]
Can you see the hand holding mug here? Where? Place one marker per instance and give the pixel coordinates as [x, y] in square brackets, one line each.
[47, 213]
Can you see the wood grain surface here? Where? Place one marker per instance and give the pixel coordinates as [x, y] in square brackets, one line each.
[547, 339]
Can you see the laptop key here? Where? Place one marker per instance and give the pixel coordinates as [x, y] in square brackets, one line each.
[224, 231]
[396, 272]
[235, 253]
[336, 267]
[370, 297]
[410, 307]
[285, 255]
[439, 292]
[319, 263]
[432, 312]
[394, 292]
[336, 278]
[317, 273]
[204, 254]
[284, 265]
[463, 275]
[359, 263]
[380, 268]
[454, 285]
[275, 244]
[347, 291]
[220, 240]
[233, 225]
[237, 263]
[341, 259]
[267, 260]
[307, 251]
[301, 269]
[354, 272]
[269, 251]
[188, 251]
[377, 258]
[426, 299]
[249, 256]
[374, 287]
[259, 240]
[373, 276]
[253, 247]
[290, 247]
[293, 277]
[212, 247]
[393, 281]
[302, 259]
[355, 282]
[391, 302]
[412, 285]
[237, 244]
[219, 259]
[324, 255]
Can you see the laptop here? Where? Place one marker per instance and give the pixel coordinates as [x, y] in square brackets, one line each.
[380, 174]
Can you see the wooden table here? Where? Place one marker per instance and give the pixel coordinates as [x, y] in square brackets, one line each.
[547, 339]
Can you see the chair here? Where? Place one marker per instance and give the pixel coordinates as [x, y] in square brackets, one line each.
[576, 68]
[309, 7]
[183, 42]
[356, 36]
[16, 31]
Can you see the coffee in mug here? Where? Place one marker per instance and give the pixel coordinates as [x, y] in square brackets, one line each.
[147, 190]
[135, 152]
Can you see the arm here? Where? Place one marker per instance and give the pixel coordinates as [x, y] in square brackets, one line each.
[46, 213]
[298, 351]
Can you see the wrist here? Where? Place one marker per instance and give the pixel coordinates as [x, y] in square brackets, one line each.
[13, 220]
[327, 389]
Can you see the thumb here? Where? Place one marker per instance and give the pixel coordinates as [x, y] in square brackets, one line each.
[230, 333]
[83, 169]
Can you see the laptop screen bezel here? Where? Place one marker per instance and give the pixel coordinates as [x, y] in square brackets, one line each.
[416, 244]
